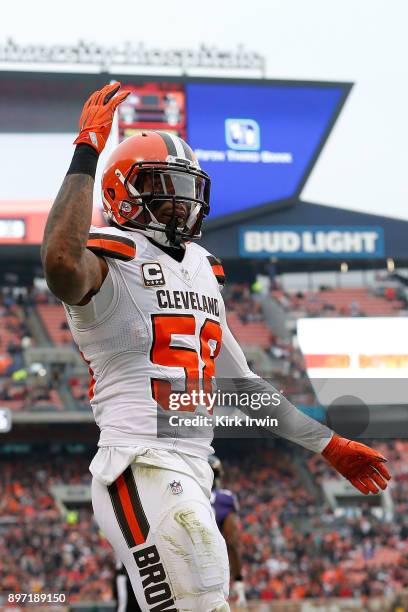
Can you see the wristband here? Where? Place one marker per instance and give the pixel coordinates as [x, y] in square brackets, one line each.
[84, 160]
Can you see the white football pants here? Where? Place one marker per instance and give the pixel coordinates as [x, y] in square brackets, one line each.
[161, 526]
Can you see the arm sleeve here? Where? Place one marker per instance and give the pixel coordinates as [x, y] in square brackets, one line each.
[292, 423]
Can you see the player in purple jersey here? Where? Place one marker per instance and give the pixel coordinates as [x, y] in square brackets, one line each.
[225, 506]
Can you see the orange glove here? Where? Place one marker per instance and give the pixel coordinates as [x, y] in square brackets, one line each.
[361, 465]
[97, 115]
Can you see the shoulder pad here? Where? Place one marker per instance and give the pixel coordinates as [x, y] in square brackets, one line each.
[217, 268]
[111, 245]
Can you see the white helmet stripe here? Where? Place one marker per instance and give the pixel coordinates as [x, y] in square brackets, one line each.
[178, 145]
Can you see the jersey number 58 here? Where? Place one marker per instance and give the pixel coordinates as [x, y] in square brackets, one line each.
[163, 353]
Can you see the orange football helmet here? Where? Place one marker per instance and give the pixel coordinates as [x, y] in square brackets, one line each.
[146, 170]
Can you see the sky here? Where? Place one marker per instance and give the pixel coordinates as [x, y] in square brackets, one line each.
[364, 163]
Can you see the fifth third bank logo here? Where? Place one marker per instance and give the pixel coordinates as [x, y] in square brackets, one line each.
[242, 134]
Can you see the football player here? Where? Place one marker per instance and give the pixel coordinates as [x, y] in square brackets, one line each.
[225, 506]
[144, 306]
[122, 590]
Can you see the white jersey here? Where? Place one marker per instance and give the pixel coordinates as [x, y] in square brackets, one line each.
[155, 325]
[161, 328]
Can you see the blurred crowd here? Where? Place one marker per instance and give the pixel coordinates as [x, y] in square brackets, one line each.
[42, 547]
[239, 297]
[25, 385]
[295, 546]
[23, 394]
[14, 333]
[342, 302]
[47, 387]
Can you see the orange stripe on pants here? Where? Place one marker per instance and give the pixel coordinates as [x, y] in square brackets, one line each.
[128, 511]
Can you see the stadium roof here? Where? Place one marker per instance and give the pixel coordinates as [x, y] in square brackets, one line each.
[300, 235]
[299, 231]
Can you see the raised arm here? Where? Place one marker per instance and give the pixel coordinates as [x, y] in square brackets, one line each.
[74, 273]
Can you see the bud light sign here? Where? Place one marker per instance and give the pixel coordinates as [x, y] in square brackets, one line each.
[311, 241]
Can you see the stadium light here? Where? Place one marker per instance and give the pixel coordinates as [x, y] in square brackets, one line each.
[5, 420]
[390, 264]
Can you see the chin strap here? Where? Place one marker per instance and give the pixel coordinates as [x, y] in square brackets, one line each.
[168, 236]
[170, 231]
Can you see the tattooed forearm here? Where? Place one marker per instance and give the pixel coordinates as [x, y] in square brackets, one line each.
[67, 228]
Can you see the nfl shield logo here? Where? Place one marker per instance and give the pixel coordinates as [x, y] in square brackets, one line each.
[175, 487]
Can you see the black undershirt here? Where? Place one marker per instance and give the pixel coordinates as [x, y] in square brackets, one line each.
[176, 253]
